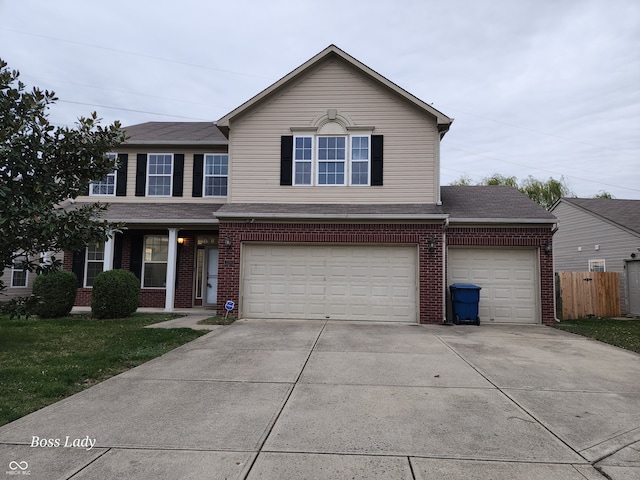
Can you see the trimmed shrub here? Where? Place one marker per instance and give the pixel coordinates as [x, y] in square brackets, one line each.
[55, 293]
[115, 294]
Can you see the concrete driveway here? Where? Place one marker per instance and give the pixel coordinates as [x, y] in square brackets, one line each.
[330, 400]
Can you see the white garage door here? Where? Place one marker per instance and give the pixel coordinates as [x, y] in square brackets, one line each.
[508, 278]
[343, 282]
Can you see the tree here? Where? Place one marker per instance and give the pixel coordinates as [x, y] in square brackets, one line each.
[545, 193]
[42, 166]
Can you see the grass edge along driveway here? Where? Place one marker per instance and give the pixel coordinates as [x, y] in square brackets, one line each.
[44, 361]
[623, 333]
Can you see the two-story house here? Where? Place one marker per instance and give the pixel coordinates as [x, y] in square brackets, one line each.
[319, 198]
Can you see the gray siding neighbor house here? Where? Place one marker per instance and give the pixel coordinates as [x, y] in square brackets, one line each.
[597, 234]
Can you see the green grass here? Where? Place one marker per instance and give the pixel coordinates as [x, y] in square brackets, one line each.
[217, 320]
[43, 361]
[621, 333]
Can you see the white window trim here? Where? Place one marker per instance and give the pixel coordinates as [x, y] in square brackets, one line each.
[114, 174]
[315, 162]
[205, 176]
[144, 262]
[86, 265]
[345, 162]
[312, 161]
[170, 175]
[351, 161]
[26, 277]
[598, 261]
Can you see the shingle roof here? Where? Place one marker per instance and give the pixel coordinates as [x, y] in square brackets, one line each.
[165, 214]
[182, 133]
[490, 202]
[625, 213]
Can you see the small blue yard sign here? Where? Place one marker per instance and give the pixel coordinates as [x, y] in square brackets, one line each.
[228, 307]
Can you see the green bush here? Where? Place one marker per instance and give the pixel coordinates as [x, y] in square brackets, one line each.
[115, 294]
[55, 292]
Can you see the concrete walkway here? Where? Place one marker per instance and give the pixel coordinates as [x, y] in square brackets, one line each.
[330, 400]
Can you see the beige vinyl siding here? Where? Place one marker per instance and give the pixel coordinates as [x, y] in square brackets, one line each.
[410, 138]
[577, 228]
[13, 292]
[188, 176]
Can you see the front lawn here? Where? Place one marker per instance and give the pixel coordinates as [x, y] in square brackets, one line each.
[43, 361]
[621, 333]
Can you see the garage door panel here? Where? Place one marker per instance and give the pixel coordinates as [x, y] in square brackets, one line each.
[366, 282]
[509, 281]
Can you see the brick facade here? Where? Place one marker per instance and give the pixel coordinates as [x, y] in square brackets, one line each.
[432, 285]
[536, 237]
[430, 271]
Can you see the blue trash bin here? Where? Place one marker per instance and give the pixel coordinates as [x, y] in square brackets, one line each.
[465, 298]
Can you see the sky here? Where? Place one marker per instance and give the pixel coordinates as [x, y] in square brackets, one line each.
[542, 88]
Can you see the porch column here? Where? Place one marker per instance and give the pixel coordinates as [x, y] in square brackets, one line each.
[109, 251]
[172, 256]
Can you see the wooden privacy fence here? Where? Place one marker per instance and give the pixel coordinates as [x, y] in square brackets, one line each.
[584, 294]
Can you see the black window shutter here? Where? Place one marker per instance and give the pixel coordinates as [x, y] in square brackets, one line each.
[198, 168]
[376, 160]
[121, 175]
[286, 160]
[136, 255]
[117, 251]
[141, 175]
[178, 174]
[77, 267]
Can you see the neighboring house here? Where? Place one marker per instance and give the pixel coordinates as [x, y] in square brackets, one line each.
[598, 234]
[17, 281]
[319, 198]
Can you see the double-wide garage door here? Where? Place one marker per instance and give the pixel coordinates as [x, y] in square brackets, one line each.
[343, 282]
[509, 281]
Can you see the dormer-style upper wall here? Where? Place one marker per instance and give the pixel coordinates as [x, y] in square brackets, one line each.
[334, 131]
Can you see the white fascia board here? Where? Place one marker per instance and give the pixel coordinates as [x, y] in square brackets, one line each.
[511, 221]
[336, 216]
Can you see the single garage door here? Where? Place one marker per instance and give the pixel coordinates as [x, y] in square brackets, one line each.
[508, 278]
[338, 282]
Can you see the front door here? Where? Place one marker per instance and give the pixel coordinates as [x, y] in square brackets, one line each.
[633, 287]
[211, 295]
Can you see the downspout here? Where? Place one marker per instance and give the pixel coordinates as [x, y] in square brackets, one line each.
[554, 229]
[444, 271]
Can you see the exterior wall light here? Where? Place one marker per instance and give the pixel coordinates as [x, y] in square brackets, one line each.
[180, 240]
[431, 245]
[227, 242]
[547, 246]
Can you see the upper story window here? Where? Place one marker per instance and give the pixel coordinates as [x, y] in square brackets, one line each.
[159, 174]
[335, 160]
[216, 175]
[106, 186]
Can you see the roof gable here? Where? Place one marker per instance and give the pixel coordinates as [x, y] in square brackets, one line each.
[334, 52]
[623, 213]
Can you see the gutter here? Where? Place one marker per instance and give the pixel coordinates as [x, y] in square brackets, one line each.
[540, 221]
[332, 216]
